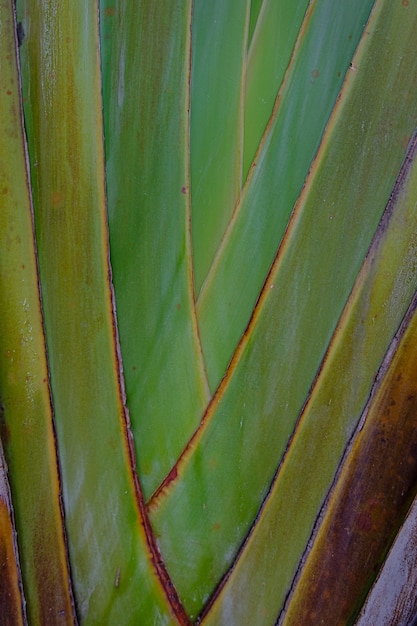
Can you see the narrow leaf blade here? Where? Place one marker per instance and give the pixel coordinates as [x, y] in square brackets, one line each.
[369, 501]
[379, 300]
[116, 569]
[203, 517]
[393, 598]
[303, 107]
[219, 38]
[12, 602]
[146, 76]
[26, 416]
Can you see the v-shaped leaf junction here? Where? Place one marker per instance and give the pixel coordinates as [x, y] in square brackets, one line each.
[255, 195]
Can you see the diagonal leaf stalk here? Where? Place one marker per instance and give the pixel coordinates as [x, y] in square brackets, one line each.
[269, 55]
[254, 411]
[117, 570]
[146, 101]
[370, 500]
[267, 73]
[385, 286]
[304, 104]
[232, 96]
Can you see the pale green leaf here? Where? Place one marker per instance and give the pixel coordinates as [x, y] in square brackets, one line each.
[113, 556]
[204, 516]
[146, 74]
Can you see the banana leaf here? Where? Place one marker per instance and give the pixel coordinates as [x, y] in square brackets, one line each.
[208, 312]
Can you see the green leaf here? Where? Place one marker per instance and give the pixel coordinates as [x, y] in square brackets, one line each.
[196, 444]
[382, 293]
[255, 8]
[203, 517]
[305, 101]
[26, 417]
[216, 125]
[269, 56]
[114, 560]
[370, 499]
[146, 128]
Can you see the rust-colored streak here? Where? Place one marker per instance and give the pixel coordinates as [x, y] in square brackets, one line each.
[158, 562]
[172, 475]
[11, 613]
[154, 553]
[143, 514]
[369, 503]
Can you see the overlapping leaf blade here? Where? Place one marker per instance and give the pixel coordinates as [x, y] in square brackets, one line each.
[370, 498]
[25, 412]
[269, 55]
[146, 72]
[304, 104]
[394, 595]
[380, 298]
[12, 601]
[216, 125]
[114, 562]
[203, 517]
[206, 154]
[255, 8]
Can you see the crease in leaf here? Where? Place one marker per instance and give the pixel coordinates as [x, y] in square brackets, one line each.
[254, 411]
[148, 197]
[369, 500]
[376, 306]
[259, 222]
[26, 420]
[117, 570]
